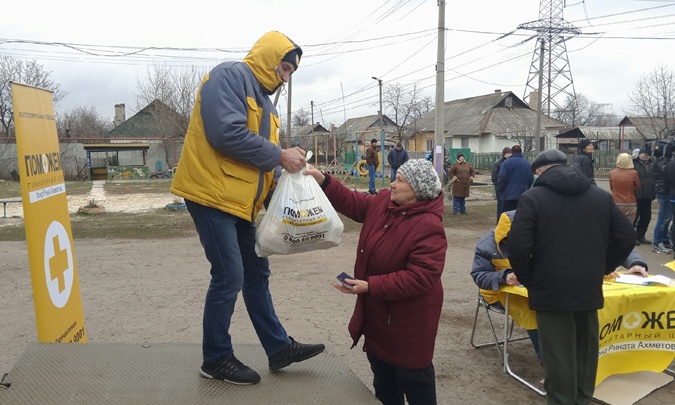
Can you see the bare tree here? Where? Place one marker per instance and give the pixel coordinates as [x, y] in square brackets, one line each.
[523, 138]
[406, 104]
[653, 98]
[81, 122]
[580, 111]
[25, 72]
[176, 89]
[422, 108]
[176, 92]
[300, 118]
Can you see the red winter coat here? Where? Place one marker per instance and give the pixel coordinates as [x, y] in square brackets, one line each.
[401, 253]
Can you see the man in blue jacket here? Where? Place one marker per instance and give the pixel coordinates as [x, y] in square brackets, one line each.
[514, 178]
[396, 158]
[227, 169]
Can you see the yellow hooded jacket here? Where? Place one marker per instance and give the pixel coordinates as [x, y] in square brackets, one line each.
[232, 143]
[491, 256]
[499, 261]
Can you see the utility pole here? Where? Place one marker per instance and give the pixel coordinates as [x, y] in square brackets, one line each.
[316, 151]
[537, 145]
[440, 92]
[288, 112]
[379, 81]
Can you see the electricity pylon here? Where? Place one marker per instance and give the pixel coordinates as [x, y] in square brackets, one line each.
[552, 32]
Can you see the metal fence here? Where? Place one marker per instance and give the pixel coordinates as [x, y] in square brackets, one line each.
[603, 160]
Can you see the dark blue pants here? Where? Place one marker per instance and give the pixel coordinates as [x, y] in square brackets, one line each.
[500, 204]
[459, 205]
[663, 218]
[371, 177]
[229, 244]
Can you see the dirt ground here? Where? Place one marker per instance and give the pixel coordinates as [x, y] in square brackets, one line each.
[138, 291]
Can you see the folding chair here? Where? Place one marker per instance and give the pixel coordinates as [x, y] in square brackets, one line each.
[481, 303]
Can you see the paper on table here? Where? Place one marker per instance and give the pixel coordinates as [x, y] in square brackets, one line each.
[639, 280]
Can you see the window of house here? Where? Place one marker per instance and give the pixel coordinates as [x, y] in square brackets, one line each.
[465, 141]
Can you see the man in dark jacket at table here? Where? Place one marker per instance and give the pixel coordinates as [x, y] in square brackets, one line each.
[566, 236]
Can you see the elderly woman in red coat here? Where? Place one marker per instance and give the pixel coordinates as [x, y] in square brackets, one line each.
[461, 176]
[399, 261]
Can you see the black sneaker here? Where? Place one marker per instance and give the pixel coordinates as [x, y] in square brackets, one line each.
[294, 353]
[230, 369]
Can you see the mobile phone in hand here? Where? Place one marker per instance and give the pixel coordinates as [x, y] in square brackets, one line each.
[344, 276]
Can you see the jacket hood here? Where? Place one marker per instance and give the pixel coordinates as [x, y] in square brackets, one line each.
[503, 226]
[266, 55]
[563, 179]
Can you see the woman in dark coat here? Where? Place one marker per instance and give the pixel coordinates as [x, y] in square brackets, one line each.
[399, 261]
[461, 175]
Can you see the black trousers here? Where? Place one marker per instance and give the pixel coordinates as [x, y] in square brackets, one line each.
[392, 383]
[644, 216]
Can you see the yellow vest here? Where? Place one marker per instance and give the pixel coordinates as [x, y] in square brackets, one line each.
[209, 178]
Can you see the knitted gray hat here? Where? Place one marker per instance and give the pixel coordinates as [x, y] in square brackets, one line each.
[422, 177]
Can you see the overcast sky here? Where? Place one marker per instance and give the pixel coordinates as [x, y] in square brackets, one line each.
[97, 52]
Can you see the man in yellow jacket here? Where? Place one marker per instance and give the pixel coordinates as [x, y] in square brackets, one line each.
[226, 170]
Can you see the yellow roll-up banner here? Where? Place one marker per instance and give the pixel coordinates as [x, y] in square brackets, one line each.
[51, 255]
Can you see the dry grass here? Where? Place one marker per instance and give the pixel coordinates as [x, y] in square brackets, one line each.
[12, 189]
[164, 223]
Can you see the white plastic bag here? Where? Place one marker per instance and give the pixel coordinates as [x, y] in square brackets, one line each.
[299, 218]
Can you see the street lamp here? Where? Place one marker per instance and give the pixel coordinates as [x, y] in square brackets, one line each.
[379, 81]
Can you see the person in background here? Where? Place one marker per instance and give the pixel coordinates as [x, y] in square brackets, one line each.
[623, 183]
[396, 158]
[227, 169]
[506, 153]
[514, 178]
[583, 160]
[400, 259]
[564, 275]
[644, 195]
[461, 176]
[372, 161]
[661, 240]
[669, 182]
